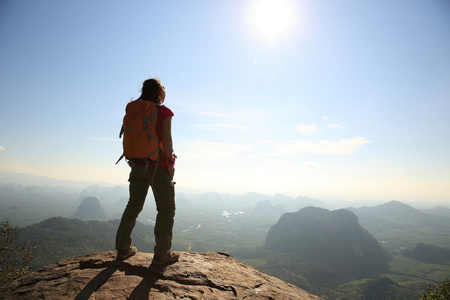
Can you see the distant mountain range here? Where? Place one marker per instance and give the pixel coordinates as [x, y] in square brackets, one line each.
[34, 180]
[438, 210]
[107, 193]
[397, 224]
[265, 208]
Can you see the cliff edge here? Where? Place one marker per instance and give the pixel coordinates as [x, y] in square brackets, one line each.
[196, 276]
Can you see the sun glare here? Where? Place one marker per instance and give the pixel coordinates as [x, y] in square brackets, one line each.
[272, 20]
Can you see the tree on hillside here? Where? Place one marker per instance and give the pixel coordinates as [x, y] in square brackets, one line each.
[437, 292]
[13, 257]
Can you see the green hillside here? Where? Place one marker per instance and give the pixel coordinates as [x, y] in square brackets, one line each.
[59, 237]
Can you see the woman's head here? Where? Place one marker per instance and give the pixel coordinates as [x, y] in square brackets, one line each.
[153, 90]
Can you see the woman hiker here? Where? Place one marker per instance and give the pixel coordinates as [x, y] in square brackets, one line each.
[160, 177]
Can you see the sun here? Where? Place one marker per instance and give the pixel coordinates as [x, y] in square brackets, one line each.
[273, 20]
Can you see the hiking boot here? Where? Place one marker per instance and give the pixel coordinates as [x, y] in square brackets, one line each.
[124, 254]
[165, 259]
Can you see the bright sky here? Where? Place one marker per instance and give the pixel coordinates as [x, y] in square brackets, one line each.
[326, 99]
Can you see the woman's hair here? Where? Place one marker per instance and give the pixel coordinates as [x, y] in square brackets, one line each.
[151, 89]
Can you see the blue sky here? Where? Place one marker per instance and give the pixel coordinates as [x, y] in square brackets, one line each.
[328, 99]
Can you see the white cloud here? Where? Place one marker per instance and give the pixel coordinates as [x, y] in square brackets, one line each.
[2, 148]
[306, 129]
[324, 147]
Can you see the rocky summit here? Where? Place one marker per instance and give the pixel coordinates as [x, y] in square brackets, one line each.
[212, 275]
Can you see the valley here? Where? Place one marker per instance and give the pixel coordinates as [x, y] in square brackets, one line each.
[237, 225]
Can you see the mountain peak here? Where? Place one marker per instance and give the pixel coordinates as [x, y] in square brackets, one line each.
[397, 209]
[212, 275]
[90, 209]
[331, 237]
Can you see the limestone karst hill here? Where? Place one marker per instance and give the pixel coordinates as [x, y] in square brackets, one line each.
[331, 237]
[196, 276]
[90, 209]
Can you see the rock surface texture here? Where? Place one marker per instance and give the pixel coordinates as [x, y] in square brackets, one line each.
[195, 276]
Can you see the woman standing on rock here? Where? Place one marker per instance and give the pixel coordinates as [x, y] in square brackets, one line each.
[157, 174]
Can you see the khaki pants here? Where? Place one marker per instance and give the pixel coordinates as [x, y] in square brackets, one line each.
[164, 193]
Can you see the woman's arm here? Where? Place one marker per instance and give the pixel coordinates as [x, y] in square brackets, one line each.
[167, 142]
[167, 136]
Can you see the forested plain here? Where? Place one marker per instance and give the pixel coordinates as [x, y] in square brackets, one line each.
[237, 225]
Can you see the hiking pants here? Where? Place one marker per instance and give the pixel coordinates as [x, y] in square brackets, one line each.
[164, 193]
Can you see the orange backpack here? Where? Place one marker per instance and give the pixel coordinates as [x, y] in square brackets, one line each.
[139, 131]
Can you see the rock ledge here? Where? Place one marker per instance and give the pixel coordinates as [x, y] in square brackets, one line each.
[196, 276]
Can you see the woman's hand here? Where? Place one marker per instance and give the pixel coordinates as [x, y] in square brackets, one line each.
[171, 171]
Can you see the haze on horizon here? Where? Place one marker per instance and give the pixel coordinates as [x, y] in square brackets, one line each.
[305, 98]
